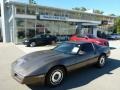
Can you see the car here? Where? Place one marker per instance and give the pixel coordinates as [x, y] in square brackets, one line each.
[42, 39]
[114, 36]
[51, 66]
[90, 38]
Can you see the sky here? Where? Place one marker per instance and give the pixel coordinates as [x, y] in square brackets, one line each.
[107, 6]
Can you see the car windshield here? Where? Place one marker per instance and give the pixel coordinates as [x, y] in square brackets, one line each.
[40, 36]
[68, 48]
[80, 35]
[91, 36]
[37, 36]
[88, 35]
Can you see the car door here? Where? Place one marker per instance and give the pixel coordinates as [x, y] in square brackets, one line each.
[48, 39]
[89, 53]
[44, 39]
[85, 56]
[40, 39]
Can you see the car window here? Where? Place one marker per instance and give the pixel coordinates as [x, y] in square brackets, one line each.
[68, 48]
[91, 36]
[47, 36]
[87, 47]
[43, 36]
[38, 36]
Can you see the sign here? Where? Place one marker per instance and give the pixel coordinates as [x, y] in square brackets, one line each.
[51, 17]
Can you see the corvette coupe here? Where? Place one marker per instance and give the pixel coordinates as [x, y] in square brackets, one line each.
[51, 66]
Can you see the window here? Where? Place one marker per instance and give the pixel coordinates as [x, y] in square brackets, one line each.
[31, 10]
[20, 34]
[20, 10]
[67, 48]
[87, 47]
[30, 28]
[20, 23]
[30, 23]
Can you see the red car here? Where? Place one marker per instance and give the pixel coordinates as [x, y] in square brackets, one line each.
[90, 38]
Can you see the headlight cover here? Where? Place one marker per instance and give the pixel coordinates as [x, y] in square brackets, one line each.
[98, 42]
[20, 62]
[26, 40]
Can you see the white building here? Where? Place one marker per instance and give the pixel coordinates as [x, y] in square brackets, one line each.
[19, 21]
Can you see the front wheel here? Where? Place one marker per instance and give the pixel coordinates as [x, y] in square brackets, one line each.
[55, 76]
[32, 44]
[101, 61]
[53, 42]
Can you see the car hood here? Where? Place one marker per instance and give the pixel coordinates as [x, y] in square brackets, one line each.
[90, 39]
[30, 62]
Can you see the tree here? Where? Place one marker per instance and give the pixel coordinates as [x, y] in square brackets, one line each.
[117, 25]
[83, 9]
[32, 2]
[76, 8]
[112, 14]
[98, 11]
[79, 9]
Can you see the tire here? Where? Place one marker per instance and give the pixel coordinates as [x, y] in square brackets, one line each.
[32, 44]
[101, 61]
[55, 76]
[28, 45]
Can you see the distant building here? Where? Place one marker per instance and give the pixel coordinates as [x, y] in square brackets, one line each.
[20, 21]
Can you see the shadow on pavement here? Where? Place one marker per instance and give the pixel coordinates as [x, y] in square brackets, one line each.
[83, 76]
[111, 48]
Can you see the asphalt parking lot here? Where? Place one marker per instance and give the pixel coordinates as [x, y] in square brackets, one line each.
[90, 78]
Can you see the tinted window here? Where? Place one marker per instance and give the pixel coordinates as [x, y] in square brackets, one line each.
[47, 36]
[43, 36]
[87, 47]
[97, 46]
[91, 36]
[38, 36]
[68, 48]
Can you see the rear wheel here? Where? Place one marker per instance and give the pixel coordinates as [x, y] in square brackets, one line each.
[55, 76]
[101, 61]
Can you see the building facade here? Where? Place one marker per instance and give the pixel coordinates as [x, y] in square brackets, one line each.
[20, 21]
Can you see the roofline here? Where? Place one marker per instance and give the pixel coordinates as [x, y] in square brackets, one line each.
[20, 3]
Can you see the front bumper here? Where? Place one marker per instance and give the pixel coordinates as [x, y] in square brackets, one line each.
[26, 43]
[29, 80]
[108, 54]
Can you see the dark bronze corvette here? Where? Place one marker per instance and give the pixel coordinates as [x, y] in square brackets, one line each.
[51, 66]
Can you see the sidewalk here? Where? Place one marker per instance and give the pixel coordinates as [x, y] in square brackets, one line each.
[115, 44]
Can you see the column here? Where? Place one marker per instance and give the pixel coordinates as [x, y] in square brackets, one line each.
[4, 20]
[78, 28]
[95, 31]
